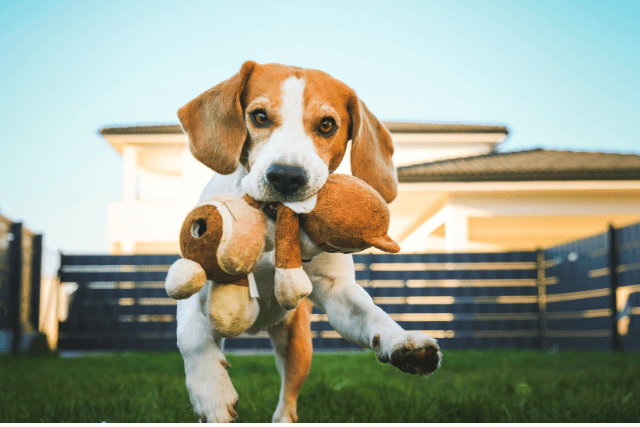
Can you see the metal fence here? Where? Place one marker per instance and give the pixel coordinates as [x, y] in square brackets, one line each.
[563, 296]
[593, 292]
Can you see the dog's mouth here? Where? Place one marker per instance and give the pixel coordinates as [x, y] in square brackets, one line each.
[302, 207]
[271, 210]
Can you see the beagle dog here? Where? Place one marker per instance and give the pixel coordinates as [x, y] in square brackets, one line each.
[277, 132]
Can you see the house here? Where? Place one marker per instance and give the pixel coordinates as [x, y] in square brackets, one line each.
[457, 192]
[515, 200]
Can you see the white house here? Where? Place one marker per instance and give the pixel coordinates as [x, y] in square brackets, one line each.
[457, 193]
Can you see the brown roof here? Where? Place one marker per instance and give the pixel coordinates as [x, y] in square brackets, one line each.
[139, 130]
[530, 165]
[422, 127]
[395, 127]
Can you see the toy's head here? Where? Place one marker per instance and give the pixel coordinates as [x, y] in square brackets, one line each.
[225, 235]
[350, 216]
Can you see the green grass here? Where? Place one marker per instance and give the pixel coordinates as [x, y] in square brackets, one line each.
[487, 386]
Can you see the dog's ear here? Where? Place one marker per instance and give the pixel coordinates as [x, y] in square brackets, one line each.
[214, 123]
[371, 150]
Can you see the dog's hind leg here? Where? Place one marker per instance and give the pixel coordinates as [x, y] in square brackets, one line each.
[291, 340]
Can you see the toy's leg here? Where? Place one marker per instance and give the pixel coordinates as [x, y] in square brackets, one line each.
[352, 313]
[210, 390]
[291, 282]
[293, 348]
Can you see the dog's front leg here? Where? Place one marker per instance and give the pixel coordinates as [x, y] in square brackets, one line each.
[210, 390]
[352, 313]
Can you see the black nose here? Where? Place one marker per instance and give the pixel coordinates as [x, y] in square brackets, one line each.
[286, 179]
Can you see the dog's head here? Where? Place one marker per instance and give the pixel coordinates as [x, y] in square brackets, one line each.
[289, 128]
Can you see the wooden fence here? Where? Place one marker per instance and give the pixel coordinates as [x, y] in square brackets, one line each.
[20, 273]
[562, 296]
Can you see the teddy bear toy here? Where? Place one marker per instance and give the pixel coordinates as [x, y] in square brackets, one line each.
[223, 238]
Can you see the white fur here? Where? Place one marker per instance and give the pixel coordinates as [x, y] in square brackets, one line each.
[288, 145]
[349, 308]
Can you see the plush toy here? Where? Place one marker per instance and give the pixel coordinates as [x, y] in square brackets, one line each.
[223, 238]
[349, 216]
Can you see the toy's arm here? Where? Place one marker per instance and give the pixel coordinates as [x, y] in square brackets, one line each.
[185, 278]
[291, 282]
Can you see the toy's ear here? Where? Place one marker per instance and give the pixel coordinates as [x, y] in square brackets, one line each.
[371, 150]
[385, 243]
[214, 123]
[185, 278]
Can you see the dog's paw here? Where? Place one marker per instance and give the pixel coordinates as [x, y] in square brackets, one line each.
[213, 397]
[411, 352]
[284, 415]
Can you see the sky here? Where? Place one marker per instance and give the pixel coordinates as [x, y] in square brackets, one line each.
[558, 74]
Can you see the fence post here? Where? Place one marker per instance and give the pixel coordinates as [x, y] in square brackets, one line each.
[542, 298]
[36, 277]
[15, 284]
[613, 283]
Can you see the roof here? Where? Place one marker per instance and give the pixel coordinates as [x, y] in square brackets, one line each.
[141, 130]
[395, 127]
[529, 165]
[422, 127]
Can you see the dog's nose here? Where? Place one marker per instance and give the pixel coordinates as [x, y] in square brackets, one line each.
[286, 179]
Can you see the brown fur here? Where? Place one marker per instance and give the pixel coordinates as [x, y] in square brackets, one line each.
[371, 151]
[221, 134]
[287, 238]
[214, 122]
[299, 352]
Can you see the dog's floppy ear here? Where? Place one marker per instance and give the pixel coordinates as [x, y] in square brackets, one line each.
[214, 123]
[371, 150]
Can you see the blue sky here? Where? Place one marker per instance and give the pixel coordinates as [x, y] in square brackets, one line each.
[559, 74]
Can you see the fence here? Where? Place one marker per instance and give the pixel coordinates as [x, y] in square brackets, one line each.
[20, 272]
[593, 292]
[562, 296]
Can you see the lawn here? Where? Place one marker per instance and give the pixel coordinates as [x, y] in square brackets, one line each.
[471, 386]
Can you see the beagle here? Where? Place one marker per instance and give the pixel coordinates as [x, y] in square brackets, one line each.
[277, 132]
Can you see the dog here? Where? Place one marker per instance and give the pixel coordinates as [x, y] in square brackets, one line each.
[277, 132]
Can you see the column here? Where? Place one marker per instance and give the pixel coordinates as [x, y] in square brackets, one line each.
[130, 159]
[456, 230]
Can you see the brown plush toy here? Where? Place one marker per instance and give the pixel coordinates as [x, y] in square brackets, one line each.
[224, 237]
[349, 216]
[221, 240]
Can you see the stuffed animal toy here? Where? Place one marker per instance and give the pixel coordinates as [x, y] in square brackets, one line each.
[349, 216]
[223, 238]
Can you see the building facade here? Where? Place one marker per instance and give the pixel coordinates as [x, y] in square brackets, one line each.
[457, 192]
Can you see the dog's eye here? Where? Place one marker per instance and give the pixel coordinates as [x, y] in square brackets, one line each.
[260, 118]
[327, 125]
